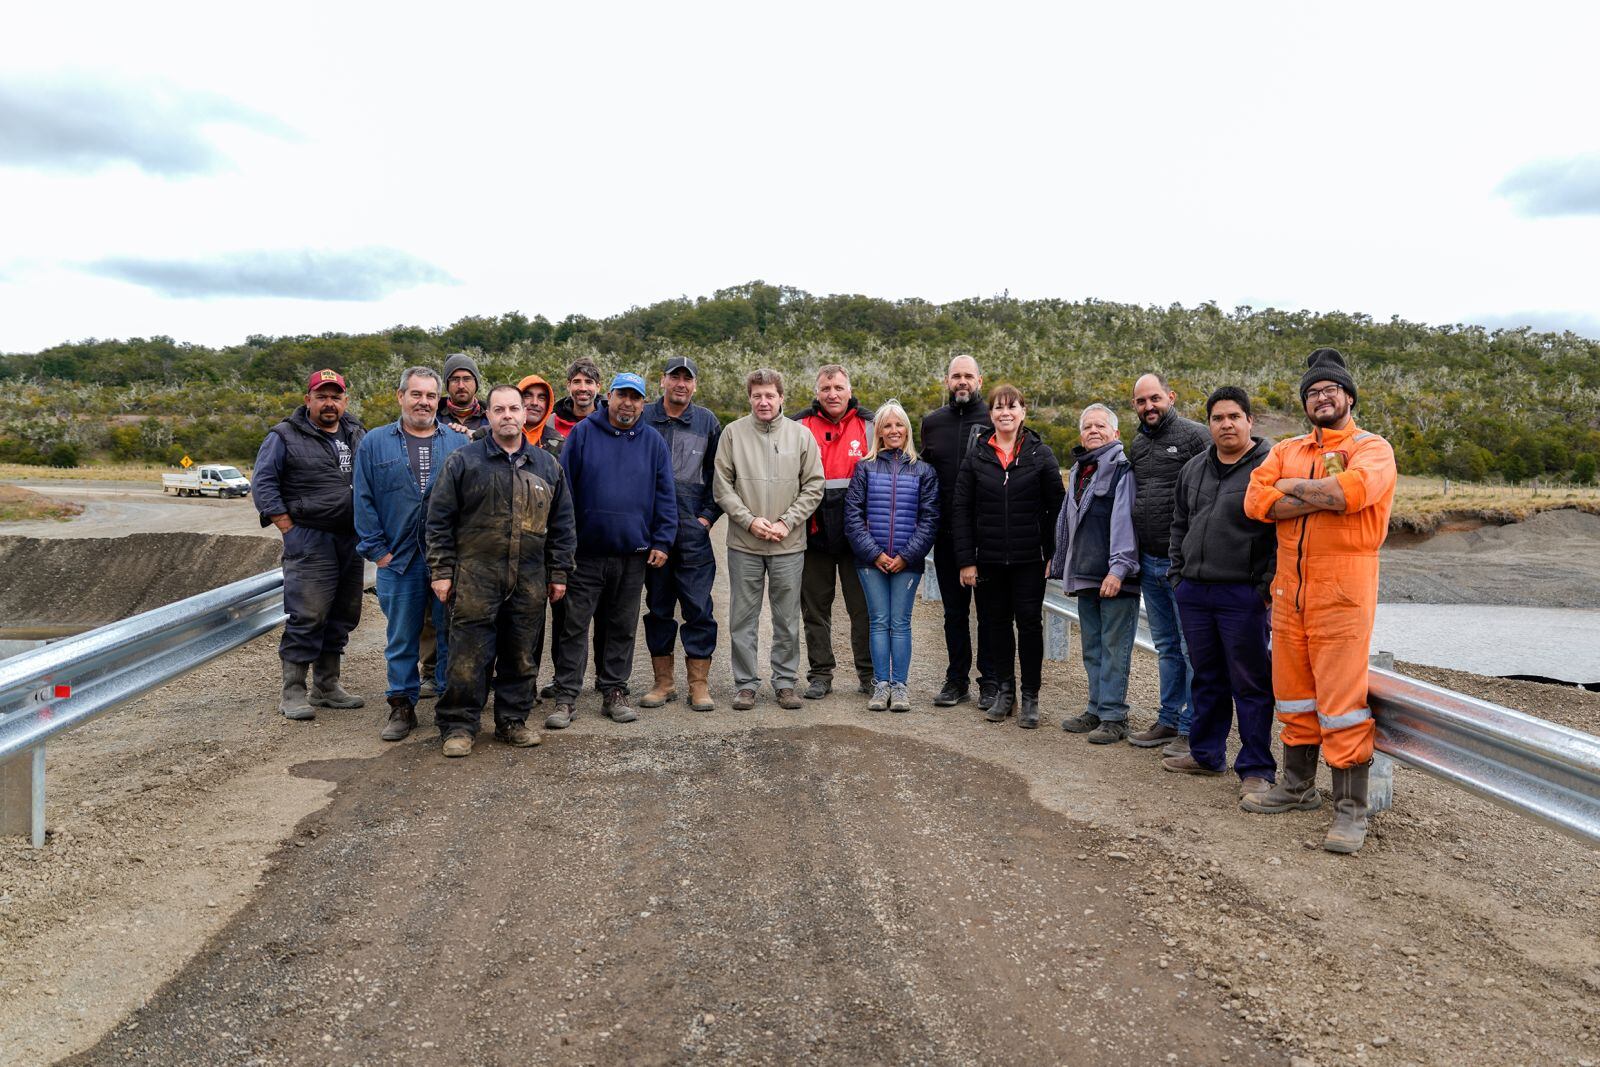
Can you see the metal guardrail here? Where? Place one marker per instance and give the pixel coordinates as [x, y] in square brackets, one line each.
[53, 689]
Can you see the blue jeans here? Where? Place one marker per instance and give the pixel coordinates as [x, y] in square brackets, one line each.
[889, 601]
[1108, 626]
[1171, 650]
[404, 598]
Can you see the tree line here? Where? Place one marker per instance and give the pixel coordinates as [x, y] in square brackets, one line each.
[1460, 401]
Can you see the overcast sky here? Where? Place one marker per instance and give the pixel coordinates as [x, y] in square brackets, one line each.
[213, 171]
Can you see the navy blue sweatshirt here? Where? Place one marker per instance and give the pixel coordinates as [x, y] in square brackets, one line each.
[623, 494]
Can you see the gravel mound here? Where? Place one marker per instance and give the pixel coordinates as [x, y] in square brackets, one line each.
[1551, 560]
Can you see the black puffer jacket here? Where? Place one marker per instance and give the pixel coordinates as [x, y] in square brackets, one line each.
[948, 434]
[1007, 516]
[1158, 453]
[1213, 540]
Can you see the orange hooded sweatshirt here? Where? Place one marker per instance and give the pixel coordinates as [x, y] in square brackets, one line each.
[535, 434]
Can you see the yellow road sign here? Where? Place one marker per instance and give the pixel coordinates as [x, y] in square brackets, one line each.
[187, 462]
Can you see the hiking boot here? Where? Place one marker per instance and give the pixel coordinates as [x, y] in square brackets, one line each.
[899, 697]
[1005, 700]
[1028, 710]
[880, 697]
[561, 718]
[325, 689]
[428, 691]
[1108, 732]
[1178, 746]
[458, 744]
[1253, 786]
[744, 700]
[293, 702]
[699, 671]
[516, 734]
[402, 719]
[1296, 789]
[548, 692]
[864, 685]
[614, 706]
[819, 688]
[952, 694]
[1349, 829]
[788, 698]
[1187, 764]
[1080, 724]
[987, 691]
[1151, 738]
[662, 691]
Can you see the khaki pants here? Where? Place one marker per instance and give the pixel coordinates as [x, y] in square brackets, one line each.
[780, 576]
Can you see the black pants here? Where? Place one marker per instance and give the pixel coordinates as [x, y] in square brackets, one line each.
[322, 579]
[491, 625]
[957, 600]
[1013, 596]
[605, 590]
[558, 623]
[816, 608]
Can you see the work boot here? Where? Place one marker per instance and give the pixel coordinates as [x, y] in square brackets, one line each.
[880, 697]
[1178, 746]
[864, 684]
[457, 744]
[427, 690]
[744, 700]
[548, 692]
[1187, 764]
[1080, 724]
[699, 685]
[1028, 717]
[293, 702]
[662, 691]
[819, 688]
[899, 697]
[1253, 786]
[614, 706]
[788, 698]
[1108, 732]
[516, 734]
[1153, 737]
[402, 719]
[1349, 829]
[987, 691]
[1005, 699]
[325, 689]
[1296, 788]
[561, 718]
[952, 694]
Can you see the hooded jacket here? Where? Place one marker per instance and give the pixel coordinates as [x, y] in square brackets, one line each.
[1095, 536]
[543, 435]
[841, 443]
[1007, 516]
[1157, 454]
[1213, 541]
[563, 418]
[621, 484]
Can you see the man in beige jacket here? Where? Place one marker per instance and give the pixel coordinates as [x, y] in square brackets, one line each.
[768, 482]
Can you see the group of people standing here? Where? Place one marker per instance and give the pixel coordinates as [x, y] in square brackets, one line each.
[485, 512]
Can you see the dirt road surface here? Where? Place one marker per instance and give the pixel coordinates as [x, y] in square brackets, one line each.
[222, 886]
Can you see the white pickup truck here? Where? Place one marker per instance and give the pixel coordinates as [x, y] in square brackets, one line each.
[206, 479]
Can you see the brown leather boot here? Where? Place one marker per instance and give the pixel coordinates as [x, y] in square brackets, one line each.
[700, 685]
[662, 691]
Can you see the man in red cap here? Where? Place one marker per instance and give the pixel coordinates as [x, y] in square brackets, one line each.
[301, 485]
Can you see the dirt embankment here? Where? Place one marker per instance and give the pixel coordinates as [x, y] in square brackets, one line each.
[54, 582]
[1551, 560]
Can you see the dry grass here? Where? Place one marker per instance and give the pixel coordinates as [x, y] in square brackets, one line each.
[1422, 505]
[100, 472]
[23, 505]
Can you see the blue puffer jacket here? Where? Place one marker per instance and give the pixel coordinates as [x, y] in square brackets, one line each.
[892, 508]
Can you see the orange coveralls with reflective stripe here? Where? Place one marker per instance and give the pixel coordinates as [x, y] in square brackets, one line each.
[1325, 592]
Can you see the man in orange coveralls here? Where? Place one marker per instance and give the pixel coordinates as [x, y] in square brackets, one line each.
[1330, 492]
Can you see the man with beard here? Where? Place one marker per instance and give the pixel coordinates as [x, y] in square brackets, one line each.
[463, 411]
[1165, 441]
[1330, 492]
[394, 473]
[301, 485]
[583, 387]
[537, 403]
[500, 543]
[620, 474]
[948, 434]
[843, 429]
[684, 582]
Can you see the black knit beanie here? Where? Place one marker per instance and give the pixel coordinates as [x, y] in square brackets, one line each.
[1327, 365]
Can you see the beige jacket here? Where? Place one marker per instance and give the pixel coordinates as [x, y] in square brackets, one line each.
[768, 470]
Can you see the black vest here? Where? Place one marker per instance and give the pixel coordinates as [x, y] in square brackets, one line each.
[1091, 542]
[314, 489]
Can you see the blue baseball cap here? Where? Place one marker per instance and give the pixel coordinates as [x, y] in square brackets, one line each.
[627, 380]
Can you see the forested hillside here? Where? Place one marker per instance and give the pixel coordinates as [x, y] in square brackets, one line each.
[1459, 401]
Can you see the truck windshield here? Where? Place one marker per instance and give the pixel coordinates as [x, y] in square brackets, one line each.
[229, 472]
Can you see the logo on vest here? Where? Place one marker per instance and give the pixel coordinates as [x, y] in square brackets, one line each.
[856, 448]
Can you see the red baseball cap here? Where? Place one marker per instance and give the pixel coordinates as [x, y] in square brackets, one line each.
[326, 377]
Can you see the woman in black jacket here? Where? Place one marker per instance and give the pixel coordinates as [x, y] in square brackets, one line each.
[1007, 495]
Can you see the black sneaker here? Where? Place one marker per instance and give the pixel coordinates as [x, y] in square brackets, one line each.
[986, 694]
[819, 688]
[952, 694]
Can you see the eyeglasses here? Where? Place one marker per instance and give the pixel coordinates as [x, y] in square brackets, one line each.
[1329, 391]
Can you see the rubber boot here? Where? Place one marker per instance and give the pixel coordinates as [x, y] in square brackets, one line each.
[662, 691]
[1349, 829]
[1296, 788]
[293, 702]
[1005, 699]
[699, 685]
[1028, 715]
[325, 689]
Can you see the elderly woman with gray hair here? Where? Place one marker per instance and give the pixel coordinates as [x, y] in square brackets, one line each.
[1097, 560]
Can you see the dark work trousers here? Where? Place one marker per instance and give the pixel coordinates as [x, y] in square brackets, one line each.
[604, 590]
[1011, 612]
[1227, 626]
[492, 627]
[957, 601]
[683, 583]
[816, 607]
[322, 579]
[558, 622]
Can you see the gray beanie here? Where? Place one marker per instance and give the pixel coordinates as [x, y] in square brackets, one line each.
[462, 361]
[1323, 365]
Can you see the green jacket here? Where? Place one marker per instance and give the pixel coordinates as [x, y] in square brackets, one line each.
[768, 470]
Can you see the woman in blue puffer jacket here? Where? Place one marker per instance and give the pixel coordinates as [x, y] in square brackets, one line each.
[891, 512]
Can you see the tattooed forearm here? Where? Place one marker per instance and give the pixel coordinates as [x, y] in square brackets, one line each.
[1322, 494]
[1291, 507]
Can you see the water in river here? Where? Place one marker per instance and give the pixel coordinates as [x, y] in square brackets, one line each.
[1559, 643]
